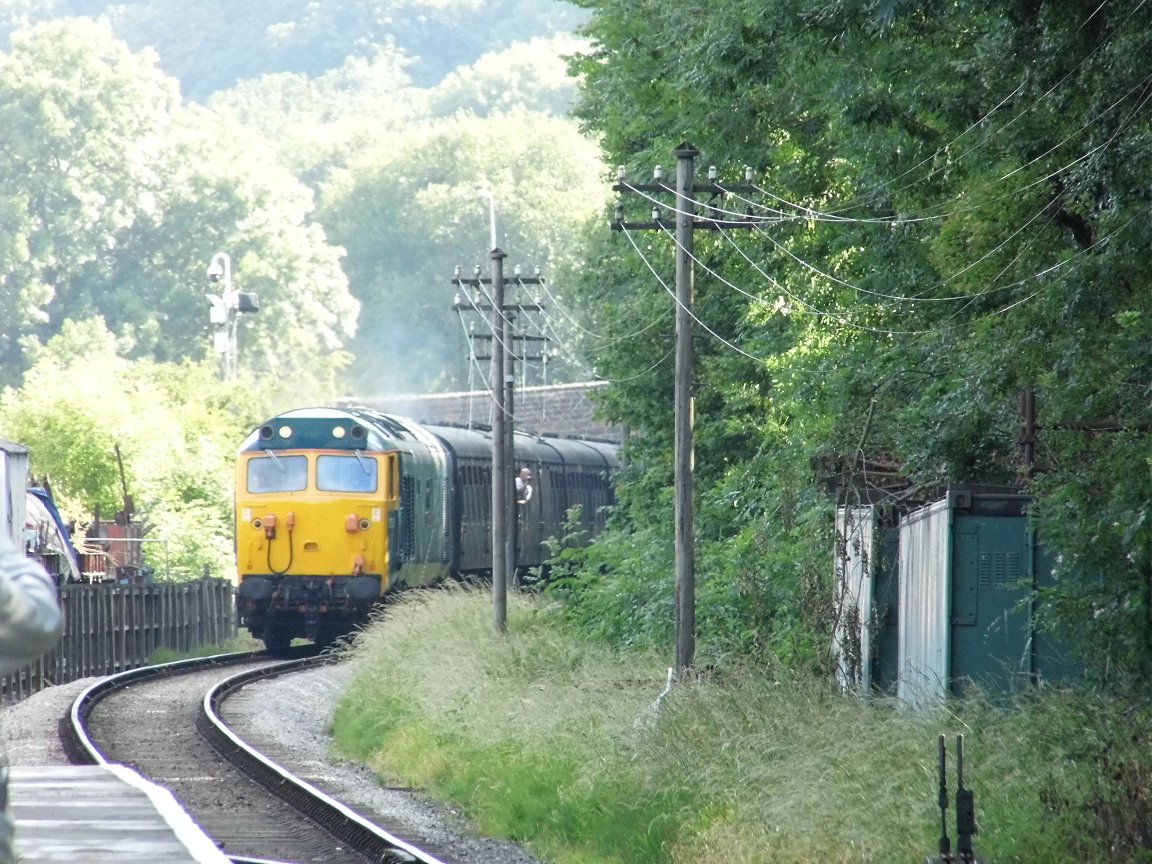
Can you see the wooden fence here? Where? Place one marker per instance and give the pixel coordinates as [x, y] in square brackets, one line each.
[112, 628]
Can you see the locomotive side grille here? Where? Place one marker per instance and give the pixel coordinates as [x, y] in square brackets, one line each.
[407, 518]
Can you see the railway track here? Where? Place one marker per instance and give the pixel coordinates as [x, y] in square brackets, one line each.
[165, 722]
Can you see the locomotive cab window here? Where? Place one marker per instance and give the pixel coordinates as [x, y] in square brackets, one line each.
[355, 473]
[273, 473]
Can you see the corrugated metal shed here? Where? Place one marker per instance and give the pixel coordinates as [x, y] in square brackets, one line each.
[925, 552]
[852, 635]
[969, 570]
[864, 639]
[13, 490]
[946, 600]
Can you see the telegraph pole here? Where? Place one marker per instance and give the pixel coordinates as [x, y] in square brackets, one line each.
[500, 451]
[685, 224]
[501, 379]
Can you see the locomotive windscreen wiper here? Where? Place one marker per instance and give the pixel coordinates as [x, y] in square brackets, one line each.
[275, 460]
[363, 464]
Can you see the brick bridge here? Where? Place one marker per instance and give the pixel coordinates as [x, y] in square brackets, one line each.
[561, 409]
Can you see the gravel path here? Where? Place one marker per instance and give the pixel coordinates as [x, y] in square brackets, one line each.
[297, 711]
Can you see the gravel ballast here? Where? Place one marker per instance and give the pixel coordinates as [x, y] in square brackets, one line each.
[296, 712]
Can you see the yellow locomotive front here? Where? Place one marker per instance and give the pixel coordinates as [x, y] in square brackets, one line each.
[313, 527]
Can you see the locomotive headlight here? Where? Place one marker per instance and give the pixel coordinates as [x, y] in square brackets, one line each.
[364, 524]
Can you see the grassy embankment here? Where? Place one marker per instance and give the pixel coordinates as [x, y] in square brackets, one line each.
[546, 739]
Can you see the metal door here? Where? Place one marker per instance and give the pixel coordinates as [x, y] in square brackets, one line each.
[991, 620]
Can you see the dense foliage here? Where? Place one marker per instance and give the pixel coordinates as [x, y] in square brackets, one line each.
[951, 206]
[101, 427]
[116, 193]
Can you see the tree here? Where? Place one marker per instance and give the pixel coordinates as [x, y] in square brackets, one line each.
[229, 43]
[84, 410]
[528, 76]
[410, 212]
[952, 210]
[317, 123]
[73, 167]
[117, 196]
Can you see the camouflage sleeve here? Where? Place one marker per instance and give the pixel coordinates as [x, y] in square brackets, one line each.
[30, 616]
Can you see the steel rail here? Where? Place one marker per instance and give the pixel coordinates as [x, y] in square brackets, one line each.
[73, 729]
[337, 818]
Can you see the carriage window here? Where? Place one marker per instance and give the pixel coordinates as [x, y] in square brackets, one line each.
[353, 473]
[273, 473]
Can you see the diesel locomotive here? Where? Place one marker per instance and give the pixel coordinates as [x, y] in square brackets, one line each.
[337, 507]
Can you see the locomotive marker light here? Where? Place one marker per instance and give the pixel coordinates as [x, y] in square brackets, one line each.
[224, 312]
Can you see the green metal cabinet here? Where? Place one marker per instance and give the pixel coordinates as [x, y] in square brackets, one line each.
[991, 621]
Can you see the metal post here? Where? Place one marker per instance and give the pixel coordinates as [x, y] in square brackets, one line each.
[685, 288]
[500, 474]
[510, 450]
[223, 314]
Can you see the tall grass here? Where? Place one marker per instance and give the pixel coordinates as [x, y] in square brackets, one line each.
[240, 642]
[545, 738]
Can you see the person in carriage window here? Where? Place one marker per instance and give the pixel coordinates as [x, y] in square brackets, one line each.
[524, 486]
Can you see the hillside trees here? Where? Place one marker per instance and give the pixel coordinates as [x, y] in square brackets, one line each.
[116, 196]
[954, 208]
[212, 45]
[315, 123]
[410, 210]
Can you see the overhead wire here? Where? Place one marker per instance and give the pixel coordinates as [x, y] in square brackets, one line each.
[605, 340]
[1072, 263]
[556, 337]
[690, 312]
[967, 298]
[987, 116]
[497, 341]
[804, 212]
[762, 216]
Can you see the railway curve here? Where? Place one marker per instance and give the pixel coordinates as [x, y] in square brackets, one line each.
[164, 721]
